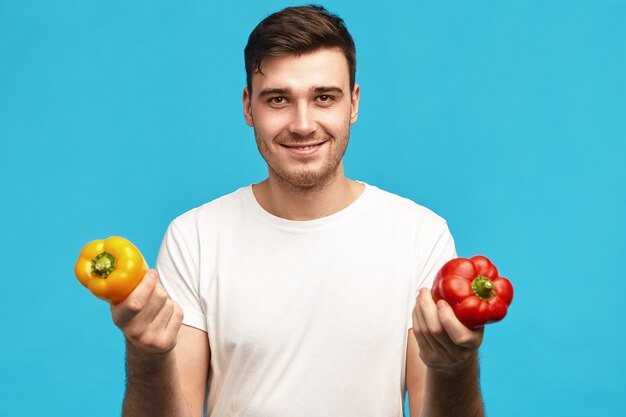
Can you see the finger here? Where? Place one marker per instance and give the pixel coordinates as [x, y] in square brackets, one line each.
[431, 343]
[159, 323]
[127, 309]
[174, 323]
[428, 311]
[149, 332]
[162, 332]
[145, 327]
[423, 344]
[417, 332]
[436, 333]
[458, 333]
[445, 327]
[158, 298]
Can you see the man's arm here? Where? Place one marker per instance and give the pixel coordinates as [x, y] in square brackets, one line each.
[167, 365]
[442, 362]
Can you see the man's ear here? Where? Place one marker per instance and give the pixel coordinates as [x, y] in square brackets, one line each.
[247, 111]
[356, 96]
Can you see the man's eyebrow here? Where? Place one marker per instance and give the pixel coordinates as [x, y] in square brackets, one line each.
[286, 91]
[273, 91]
[329, 89]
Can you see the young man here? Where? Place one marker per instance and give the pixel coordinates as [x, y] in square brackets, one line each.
[301, 294]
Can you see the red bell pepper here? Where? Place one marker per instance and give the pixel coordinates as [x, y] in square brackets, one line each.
[474, 289]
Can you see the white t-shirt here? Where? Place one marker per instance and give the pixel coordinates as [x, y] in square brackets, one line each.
[304, 318]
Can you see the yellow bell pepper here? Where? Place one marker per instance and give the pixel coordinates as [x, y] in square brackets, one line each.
[110, 268]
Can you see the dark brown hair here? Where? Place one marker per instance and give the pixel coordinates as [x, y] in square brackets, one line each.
[298, 30]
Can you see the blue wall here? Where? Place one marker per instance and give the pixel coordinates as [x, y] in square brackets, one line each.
[506, 118]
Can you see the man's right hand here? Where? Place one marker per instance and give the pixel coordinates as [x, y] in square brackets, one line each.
[149, 319]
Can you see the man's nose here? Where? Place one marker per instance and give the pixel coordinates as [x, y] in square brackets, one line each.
[303, 121]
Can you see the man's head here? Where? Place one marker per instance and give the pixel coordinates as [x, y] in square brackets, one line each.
[295, 31]
[301, 97]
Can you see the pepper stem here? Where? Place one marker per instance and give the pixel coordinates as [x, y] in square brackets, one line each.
[483, 287]
[103, 264]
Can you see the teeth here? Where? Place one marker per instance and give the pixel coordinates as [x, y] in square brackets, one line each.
[304, 148]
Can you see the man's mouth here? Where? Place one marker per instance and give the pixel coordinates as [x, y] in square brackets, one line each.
[303, 149]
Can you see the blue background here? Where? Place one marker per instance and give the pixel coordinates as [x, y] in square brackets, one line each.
[506, 118]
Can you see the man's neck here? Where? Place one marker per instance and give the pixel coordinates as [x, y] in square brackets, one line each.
[297, 204]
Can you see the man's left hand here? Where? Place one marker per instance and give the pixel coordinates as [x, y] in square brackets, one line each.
[445, 344]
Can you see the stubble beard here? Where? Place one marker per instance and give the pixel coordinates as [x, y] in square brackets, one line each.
[305, 179]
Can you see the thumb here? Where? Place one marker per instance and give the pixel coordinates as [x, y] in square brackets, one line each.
[127, 309]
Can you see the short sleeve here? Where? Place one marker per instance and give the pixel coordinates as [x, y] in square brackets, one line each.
[179, 276]
[436, 248]
[440, 250]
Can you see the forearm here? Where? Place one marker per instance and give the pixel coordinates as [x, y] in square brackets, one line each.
[453, 393]
[153, 387]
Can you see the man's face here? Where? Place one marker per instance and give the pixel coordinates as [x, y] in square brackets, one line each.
[301, 109]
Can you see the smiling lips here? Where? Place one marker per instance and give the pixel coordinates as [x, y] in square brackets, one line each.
[304, 149]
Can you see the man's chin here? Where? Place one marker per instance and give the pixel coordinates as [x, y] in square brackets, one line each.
[307, 181]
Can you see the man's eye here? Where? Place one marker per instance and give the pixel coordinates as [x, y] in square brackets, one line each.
[326, 100]
[277, 100]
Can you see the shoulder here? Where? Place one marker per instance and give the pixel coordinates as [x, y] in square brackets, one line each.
[404, 208]
[213, 211]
